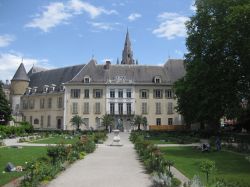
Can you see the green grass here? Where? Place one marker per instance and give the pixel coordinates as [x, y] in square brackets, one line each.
[161, 142]
[230, 166]
[17, 157]
[56, 140]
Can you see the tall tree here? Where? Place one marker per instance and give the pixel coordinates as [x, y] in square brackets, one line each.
[77, 121]
[107, 121]
[5, 110]
[212, 87]
[138, 120]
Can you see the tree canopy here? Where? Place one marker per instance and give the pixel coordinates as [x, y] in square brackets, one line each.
[77, 121]
[218, 71]
[5, 110]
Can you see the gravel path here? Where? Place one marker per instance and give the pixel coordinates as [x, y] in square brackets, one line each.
[108, 166]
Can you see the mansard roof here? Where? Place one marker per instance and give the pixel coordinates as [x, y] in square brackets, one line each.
[20, 74]
[54, 76]
[36, 69]
[141, 74]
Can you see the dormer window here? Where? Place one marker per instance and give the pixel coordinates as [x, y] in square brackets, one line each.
[157, 79]
[52, 87]
[34, 90]
[45, 88]
[86, 79]
[62, 87]
[28, 91]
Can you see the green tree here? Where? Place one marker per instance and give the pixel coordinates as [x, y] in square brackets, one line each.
[5, 110]
[138, 120]
[144, 122]
[107, 121]
[207, 167]
[215, 82]
[77, 121]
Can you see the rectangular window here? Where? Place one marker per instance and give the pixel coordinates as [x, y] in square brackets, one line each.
[42, 103]
[49, 102]
[41, 121]
[158, 121]
[170, 108]
[112, 93]
[31, 120]
[31, 103]
[158, 93]
[59, 102]
[24, 118]
[97, 93]
[120, 108]
[48, 121]
[120, 93]
[86, 93]
[168, 94]
[170, 121]
[75, 108]
[128, 108]
[144, 94]
[97, 108]
[86, 108]
[112, 108]
[128, 93]
[25, 104]
[158, 108]
[75, 93]
[144, 108]
[98, 122]
[86, 121]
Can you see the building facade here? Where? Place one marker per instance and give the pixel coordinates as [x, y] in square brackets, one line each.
[48, 99]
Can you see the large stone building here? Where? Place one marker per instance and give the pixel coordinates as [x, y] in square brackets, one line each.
[49, 98]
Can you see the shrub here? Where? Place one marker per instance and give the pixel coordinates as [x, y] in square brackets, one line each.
[207, 166]
[161, 180]
[175, 182]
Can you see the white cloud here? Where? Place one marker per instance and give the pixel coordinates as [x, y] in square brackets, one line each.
[6, 39]
[193, 7]
[134, 16]
[78, 7]
[172, 25]
[9, 62]
[104, 26]
[54, 15]
[58, 13]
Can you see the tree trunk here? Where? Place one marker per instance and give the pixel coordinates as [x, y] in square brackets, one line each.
[139, 127]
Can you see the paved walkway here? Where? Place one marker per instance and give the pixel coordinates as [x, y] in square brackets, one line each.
[14, 142]
[108, 166]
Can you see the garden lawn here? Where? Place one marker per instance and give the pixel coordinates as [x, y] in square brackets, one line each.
[230, 166]
[17, 157]
[160, 142]
[57, 140]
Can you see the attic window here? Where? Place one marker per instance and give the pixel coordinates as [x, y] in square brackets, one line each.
[52, 87]
[86, 79]
[28, 91]
[34, 89]
[45, 88]
[157, 79]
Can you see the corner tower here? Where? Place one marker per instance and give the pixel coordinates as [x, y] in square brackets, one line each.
[19, 83]
[127, 53]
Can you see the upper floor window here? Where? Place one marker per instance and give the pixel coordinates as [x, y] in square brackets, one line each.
[143, 94]
[120, 108]
[120, 93]
[112, 93]
[75, 108]
[158, 93]
[42, 102]
[168, 94]
[97, 108]
[86, 79]
[129, 110]
[170, 108]
[112, 108]
[75, 93]
[128, 93]
[59, 102]
[86, 108]
[144, 108]
[158, 108]
[86, 93]
[31, 104]
[97, 93]
[49, 102]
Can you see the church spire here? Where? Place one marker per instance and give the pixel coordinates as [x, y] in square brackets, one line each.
[127, 54]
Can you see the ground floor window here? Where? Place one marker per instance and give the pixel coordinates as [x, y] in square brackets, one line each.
[170, 121]
[158, 121]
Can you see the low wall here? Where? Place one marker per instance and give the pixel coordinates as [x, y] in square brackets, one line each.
[166, 127]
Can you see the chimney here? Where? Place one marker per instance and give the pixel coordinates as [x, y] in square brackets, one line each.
[107, 65]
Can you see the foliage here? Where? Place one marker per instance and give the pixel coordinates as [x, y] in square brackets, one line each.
[161, 180]
[138, 120]
[77, 121]
[5, 110]
[144, 122]
[195, 182]
[100, 137]
[175, 182]
[107, 121]
[207, 166]
[217, 66]
[22, 129]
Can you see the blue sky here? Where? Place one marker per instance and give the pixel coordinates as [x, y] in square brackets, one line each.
[62, 33]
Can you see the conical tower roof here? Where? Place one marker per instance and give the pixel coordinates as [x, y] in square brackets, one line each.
[21, 74]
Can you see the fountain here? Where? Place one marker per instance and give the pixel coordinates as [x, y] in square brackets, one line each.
[116, 139]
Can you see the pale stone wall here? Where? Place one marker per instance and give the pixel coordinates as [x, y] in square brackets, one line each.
[92, 116]
[34, 112]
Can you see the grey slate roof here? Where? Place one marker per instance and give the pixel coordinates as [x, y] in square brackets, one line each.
[20, 74]
[36, 69]
[54, 76]
[169, 73]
